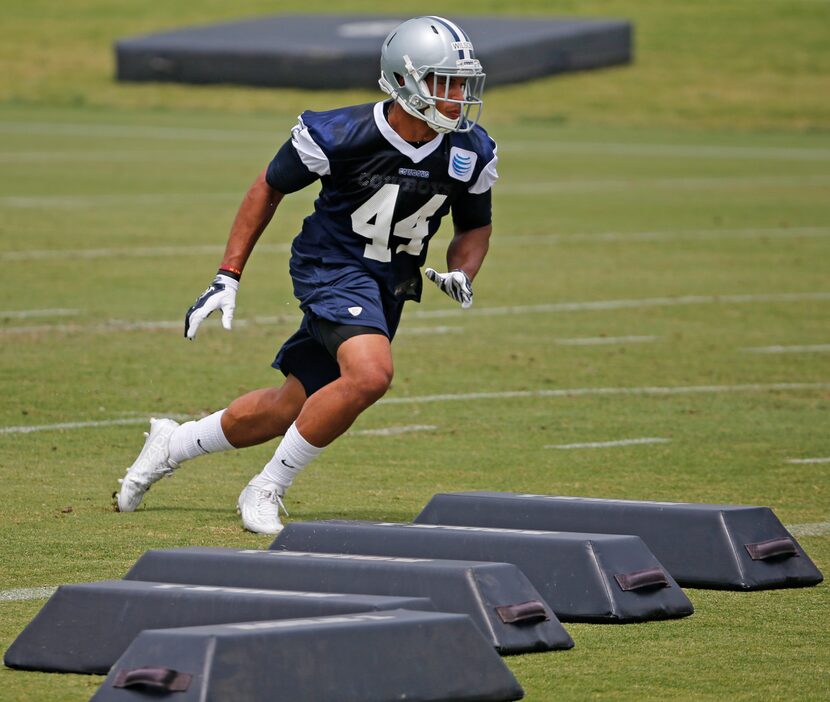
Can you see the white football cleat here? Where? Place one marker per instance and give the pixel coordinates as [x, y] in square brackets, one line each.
[152, 464]
[259, 505]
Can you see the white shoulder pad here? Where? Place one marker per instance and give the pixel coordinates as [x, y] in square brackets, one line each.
[310, 152]
[487, 177]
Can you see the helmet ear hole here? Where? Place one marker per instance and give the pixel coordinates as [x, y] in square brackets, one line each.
[400, 79]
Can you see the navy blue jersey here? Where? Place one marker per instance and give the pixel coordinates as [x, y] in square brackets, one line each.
[382, 198]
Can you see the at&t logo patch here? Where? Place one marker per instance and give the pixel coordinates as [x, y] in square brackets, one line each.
[462, 163]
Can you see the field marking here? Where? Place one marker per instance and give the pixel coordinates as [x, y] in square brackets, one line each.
[669, 150]
[137, 132]
[620, 304]
[118, 325]
[809, 460]
[812, 348]
[610, 444]
[530, 188]
[599, 237]
[586, 392]
[601, 340]
[144, 419]
[129, 252]
[102, 156]
[393, 431]
[809, 529]
[136, 199]
[26, 593]
[496, 395]
[154, 325]
[72, 425]
[30, 314]
[681, 235]
[679, 183]
[237, 135]
[426, 331]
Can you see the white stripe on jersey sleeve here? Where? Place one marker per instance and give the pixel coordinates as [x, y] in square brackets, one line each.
[487, 177]
[310, 153]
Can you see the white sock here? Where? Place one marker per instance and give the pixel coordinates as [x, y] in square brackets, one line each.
[292, 455]
[198, 438]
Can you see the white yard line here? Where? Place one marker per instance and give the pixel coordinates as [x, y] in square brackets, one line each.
[502, 395]
[139, 132]
[668, 150]
[602, 340]
[72, 425]
[393, 431]
[809, 460]
[553, 308]
[129, 252]
[426, 331]
[610, 444]
[590, 186]
[598, 237]
[117, 325]
[620, 304]
[125, 200]
[812, 348]
[30, 314]
[144, 419]
[668, 236]
[515, 188]
[810, 529]
[115, 156]
[587, 392]
[26, 593]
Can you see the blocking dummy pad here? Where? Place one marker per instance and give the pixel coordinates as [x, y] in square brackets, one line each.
[710, 546]
[85, 628]
[507, 609]
[378, 657]
[583, 577]
[342, 51]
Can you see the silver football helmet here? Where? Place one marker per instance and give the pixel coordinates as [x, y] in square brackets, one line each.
[418, 61]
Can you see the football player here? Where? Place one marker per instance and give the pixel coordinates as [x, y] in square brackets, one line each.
[389, 172]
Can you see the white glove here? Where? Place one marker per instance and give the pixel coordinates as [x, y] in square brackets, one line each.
[220, 295]
[456, 284]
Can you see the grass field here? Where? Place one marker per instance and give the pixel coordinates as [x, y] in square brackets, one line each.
[662, 251]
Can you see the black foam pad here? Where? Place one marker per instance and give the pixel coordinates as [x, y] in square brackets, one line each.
[701, 545]
[343, 51]
[479, 589]
[85, 628]
[576, 574]
[378, 657]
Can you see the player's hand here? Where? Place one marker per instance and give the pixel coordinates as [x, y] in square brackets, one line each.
[456, 284]
[220, 295]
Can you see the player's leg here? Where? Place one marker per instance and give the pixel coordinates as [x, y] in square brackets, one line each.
[364, 360]
[261, 415]
[365, 375]
[254, 418]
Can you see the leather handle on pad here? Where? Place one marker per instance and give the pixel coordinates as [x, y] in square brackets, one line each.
[159, 679]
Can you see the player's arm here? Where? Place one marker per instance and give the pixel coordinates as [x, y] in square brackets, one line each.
[251, 219]
[285, 174]
[469, 245]
[468, 248]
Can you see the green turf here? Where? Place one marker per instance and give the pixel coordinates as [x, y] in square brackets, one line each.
[696, 179]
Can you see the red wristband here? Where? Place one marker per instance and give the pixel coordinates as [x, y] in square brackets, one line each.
[230, 270]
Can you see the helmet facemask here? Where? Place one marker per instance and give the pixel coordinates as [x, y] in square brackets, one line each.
[434, 83]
